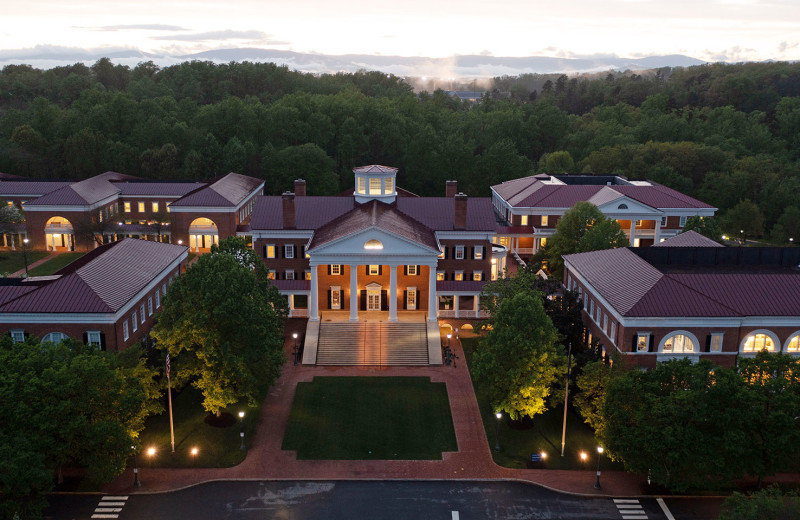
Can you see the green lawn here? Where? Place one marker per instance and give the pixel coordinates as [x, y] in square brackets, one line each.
[217, 447]
[51, 266]
[541, 434]
[13, 261]
[359, 418]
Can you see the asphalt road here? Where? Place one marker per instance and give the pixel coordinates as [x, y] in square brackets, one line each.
[389, 500]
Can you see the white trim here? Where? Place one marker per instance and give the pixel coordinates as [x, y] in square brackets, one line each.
[774, 337]
[788, 340]
[684, 333]
[465, 235]
[272, 234]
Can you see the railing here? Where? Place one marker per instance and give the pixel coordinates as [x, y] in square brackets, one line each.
[202, 230]
[524, 250]
[464, 313]
[298, 313]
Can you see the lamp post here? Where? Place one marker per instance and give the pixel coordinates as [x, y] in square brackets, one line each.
[448, 339]
[497, 431]
[136, 482]
[25, 254]
[241, 433]
[566, 396]
[295, 351]
[599, 454]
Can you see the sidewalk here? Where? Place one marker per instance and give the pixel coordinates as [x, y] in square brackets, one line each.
[473, 460]
[37, 263]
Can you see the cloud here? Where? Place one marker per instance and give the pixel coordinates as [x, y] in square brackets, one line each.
[227, 34]
[43, 52]
[785, 46]
[137, 27]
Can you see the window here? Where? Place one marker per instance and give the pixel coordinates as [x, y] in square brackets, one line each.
[758, 341]
[271, 274]
[127, 207]
[125, 334]
[289, 275]
[664, 221]
[683, 221]
[141, 207]
[269, 251]
[542, 242]
[411, 270]
[523, 220]
[439, 276]
[678, 343]
[155, 207]
[374, 270]
[308, 275]
[288, 251]
[93, 337]
[586, 303]
[150, 306]
[643, 342]
[54, 337]
[591, 308]
[477, 253]
[636, 242]
[141, 312]
[158, 299]
[613, 334]
[716, 342]
[411, 298]
[135, 321]
[605, 322]
[336, 269]
[17, 336]
[164, 288]
[639, 223]
[459, 255]
[374, 186]
[477, 276]
[389, 185]
[545, 220]
[622, 206]
[793, 345]
[459, 276]
[441, 252]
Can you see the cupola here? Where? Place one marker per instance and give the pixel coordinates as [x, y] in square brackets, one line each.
[375, 182]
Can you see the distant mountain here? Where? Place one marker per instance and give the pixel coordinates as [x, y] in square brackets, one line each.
[466, 66]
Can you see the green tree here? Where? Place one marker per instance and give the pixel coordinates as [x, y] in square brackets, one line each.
[680, 423]
[767, 504]
[742, 221]
[788, 226]
[222, 322]
[309, 162]
[706, 226]
[519, 359]
[556, 162]
[592, 385]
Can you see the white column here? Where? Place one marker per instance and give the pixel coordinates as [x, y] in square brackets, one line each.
[477, 305]
[291, 305]
[433, 307]
[12, 243]
[392, 293]
[657, 235]
[313, 303]
[633, 231]
[455, 304]
[353, 292]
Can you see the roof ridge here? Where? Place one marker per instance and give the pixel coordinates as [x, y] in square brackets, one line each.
[709, 297]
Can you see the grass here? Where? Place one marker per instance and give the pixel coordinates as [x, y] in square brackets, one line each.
[217, 447]
[13, 261]
[51, 266]
[537, 435]
[370, 418]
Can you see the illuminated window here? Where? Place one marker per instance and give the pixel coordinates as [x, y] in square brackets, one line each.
[271, 274]
[336, 269]
[459, 255]
[389, 185]
[411, 270]
[127, 207]
[374, 270]
[545, 220]
[758, 341]
[362, 185]
[716, 342]
[373, 244]
[155, 207]
[308, 275]
[441, 252]
[459, 276]
[375, 187]
[793, 345]
[269, 251]
[439, 276]
[642, 342]
[635, 242]
[543, 242]
[678, 343]
[336, 298]
[477, 253]
[477, 276]
[141, 207]
[523, 220]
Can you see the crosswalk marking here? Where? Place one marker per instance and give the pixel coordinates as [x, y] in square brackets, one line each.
[630, 509]
[109, 506]
[454, 515]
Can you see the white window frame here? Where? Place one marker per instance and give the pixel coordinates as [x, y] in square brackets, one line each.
[289, 274]
[523, 220]
[605, 323]
[412, 270]
[767, 334]
[477, 253]
[158, 299]
[545, 220]
[591, 309]
[686, 334]
[477, 276]
[409, 298]
[683, 221]
[613, 334]
[288, 251]
[459, 253]
[336, 297]
[796, 337]
[135, 321]
[336, 269]
[61, 338]
[647, 336]
[164, 288]
[17, 335]
[716, 335]
[267, 251]
[140, 206]
[664, 220]
[373, 269]
[459, 276]
[142, 316]
[149, 305]
[439, 276]
[127, 207]
[93, 337]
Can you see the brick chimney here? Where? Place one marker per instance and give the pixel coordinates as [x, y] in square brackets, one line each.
[451, 188]
[288, 210]
[299, 188]
[460, 221]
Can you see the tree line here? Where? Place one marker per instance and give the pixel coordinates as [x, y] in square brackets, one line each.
[726, 134]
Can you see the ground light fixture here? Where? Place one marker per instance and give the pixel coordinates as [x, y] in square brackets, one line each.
[194, 451]
[584, 456]
[295, 350]
[241, 433]
[497, 429]
[151, 451]
[599, 454]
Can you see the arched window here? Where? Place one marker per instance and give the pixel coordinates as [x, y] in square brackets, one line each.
[622, 206]
[679, 342]
[54, 337]
[793, 344]
[373, 244]
[759, 340]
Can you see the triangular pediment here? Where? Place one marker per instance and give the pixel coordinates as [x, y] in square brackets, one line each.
[373, 286]
[373, 241]
[622, 205]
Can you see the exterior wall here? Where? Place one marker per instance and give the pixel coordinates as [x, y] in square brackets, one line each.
[326, 281]
[180, 222]
[449, 264]
[134, 215]
[280, 264]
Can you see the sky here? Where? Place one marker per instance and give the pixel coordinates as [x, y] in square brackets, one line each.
[711, 30]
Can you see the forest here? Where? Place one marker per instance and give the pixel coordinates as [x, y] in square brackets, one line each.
[726, 134]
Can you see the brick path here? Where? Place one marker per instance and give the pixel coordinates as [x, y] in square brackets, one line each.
[34, 264]
[473, 460]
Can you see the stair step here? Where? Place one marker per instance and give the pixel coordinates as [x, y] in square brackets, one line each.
[372, 343]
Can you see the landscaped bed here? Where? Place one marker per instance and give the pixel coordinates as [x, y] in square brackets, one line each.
[356, 418]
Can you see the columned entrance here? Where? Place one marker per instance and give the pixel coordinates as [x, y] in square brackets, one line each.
[373, 297]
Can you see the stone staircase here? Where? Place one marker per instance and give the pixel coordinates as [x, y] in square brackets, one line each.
[372, 343]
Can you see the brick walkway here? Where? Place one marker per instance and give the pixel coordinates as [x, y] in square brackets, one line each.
[473, 460]
[37, 263]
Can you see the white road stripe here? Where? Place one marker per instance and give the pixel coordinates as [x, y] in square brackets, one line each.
[454, 515]
[105, 516]
[628, 506]
[626, 501]
[634, 517]
[109, 504]
[665, 509]
[109, 497]
[108, 509]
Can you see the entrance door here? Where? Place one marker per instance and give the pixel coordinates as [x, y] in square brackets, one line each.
[373, 300]
[411, 299]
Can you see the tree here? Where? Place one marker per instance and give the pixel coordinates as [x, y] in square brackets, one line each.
[772, 410]
[556, 162]
[10, 215]
[66, 404]
[788, 226]
[766, 504]
[706, 226]
[680, 423]
[742, 221]
[582, 228]
[519, 359]
[592, 384]
[222, 322]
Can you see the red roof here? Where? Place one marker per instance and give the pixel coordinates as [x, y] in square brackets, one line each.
[229, 191]
[159, 189]
[83, 193]
[689, 238]
[24, 188]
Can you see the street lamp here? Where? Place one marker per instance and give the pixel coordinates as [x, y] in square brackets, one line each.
[584, 456]
[295, 351]
[599, 454]
[195, 451]
[241, 433]
[448, 339]
[497, 430]
[25, 254]
[136, 482]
